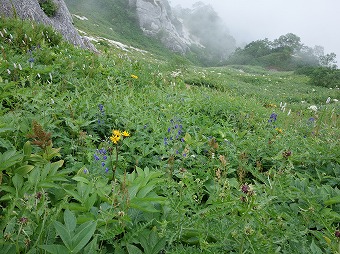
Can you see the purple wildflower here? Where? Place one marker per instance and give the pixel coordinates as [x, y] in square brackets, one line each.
[272, 117]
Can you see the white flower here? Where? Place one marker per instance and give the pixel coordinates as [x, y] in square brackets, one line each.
[313, 107]
[8, 71]
[335, 100]
[289, 112]
[328, 100]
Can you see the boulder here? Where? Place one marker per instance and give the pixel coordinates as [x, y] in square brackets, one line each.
[156, 19]
[61, 20]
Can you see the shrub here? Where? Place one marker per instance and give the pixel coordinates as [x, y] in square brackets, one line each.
[49, 7]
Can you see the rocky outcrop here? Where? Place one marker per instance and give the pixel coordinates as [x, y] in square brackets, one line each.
[156, 19]
[61, 19]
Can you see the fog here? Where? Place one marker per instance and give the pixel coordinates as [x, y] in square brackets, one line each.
[316, 22]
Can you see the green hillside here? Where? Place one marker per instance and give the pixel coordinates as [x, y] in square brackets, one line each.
[132, 152]
[113, 19]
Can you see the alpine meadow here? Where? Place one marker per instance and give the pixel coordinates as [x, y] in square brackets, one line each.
[137, 149]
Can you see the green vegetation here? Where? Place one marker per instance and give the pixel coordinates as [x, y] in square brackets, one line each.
[49, 7]
[285, 53]
[234, 159]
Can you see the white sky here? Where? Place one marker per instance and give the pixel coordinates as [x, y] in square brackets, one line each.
[316, 22]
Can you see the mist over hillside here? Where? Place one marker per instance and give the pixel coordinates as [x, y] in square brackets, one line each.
[197, 33]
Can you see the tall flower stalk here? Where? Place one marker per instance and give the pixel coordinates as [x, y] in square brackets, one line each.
[116, 138]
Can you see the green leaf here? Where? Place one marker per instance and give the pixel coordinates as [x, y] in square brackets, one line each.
[7, 248]
[83, 235]
[18, 181]
[332, 201]
[27, 149]
[70, 220]
[23, 170]
[315, 249]
[133, 249]
[55, 249]
[64, 234]
[81, 179]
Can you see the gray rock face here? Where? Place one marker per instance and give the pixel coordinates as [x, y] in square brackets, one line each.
[156, 19]
[61, 21]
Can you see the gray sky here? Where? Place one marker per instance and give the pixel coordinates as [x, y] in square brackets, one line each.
[316, 22]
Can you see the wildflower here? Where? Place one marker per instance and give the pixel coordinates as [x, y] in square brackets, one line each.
[245, 188]
[134, 76]
[287, 153]
[85, 171]
[289, 112]
[337, 234]
[126, 134]
[8, 71]
[23, 220]
[328, 100]
[101, 108]
[313, 108]
[311, 120]
[279, 130]
[96, 157]
[272, 117]
[116, 133]
[114, 139]
[38, 195]
[106, 170]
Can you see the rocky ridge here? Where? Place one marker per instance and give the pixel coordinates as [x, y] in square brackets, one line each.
[61, 20]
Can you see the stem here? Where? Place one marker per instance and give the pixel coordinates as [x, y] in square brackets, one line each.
[115, 166]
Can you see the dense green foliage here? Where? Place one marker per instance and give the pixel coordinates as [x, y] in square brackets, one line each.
[321, 76]
[49, 7]
[285, 53]
[233, 159]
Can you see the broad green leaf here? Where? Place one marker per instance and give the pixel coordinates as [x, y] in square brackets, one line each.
[55, 249]
[23, 170]
[70, 220]
[18, 181]
[7, 248]
[333, 200]
[83, 235]
[133, 249]
[27, 149]
[81, 179]
[315, 249]
[64, 234]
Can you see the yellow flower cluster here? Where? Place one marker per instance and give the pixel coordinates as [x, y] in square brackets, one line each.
[279, 130]
[117, 136]
[134, 76]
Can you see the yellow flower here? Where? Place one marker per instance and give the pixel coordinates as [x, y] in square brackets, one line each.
[116, 133]
[114, 139]
[278, 130]
[134, 76]
[126, 134]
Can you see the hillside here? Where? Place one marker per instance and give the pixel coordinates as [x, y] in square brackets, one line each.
[129, 151]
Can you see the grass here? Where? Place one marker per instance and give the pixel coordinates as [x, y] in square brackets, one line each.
[213, 164]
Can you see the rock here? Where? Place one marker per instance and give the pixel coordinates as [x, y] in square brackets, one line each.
[156, 19]
[61, 20]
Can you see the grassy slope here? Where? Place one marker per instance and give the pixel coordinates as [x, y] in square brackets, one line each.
[113, 20]
[204, 211]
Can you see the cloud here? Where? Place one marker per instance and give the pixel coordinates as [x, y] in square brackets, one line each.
[315, 22]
